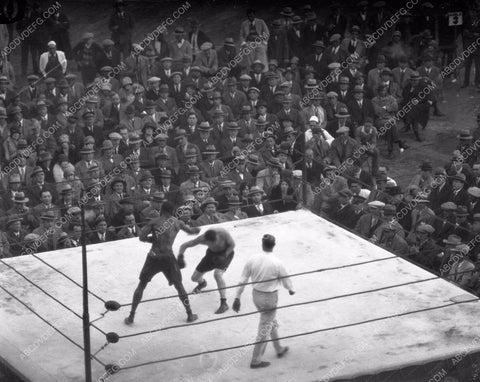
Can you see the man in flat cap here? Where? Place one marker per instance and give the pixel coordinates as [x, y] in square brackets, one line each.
[84, 53]
[423, 249]
[109, 55]
[207, 59]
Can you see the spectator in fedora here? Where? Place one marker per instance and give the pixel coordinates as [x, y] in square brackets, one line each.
[15, 235]
[257, 207]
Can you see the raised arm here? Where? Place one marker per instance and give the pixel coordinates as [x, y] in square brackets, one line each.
[188, 229]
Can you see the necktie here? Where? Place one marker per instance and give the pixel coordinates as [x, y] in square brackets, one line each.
[402, 76]
[260, 209]
[257, 76]
[194, 40]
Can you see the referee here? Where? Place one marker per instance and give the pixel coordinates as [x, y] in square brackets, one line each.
[261, 268]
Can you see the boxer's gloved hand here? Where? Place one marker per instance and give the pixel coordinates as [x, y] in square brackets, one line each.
[236, 305]
[181, 262]
[291, 292]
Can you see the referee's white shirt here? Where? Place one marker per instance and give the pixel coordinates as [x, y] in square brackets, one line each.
[265, 266]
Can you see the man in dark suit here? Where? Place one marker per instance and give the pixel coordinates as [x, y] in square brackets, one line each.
[258, 207]
[335, 52]
[102, 234]
[442, 192]
[177, 89]
[318, 60]
[234, 98]
[459, 194]
[295, 38]
[345, 95]
[171, 191]
[15, 235]
[130, 229]
[360, 108]
[474, 205]
[90, 129]
[240, 175]
[258, 78]
[38, 185]
[345, 214]
[288, 112]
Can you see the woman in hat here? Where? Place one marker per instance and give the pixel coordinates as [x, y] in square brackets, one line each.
[147, 135]
[61, 164]
[11, 143]
[119, 191]
[282, 197]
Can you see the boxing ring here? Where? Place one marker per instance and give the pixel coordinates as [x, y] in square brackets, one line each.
[358, 311]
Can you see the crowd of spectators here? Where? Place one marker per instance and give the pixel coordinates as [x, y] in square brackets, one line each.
[299, 122]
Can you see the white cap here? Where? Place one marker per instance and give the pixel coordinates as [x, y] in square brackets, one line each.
[297, 173]
[364, 193]
[376, 204]
[52, 43]
[313, 118]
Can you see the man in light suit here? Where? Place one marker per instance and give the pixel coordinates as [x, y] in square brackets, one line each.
[207, 59]
[255, 27]
[186, 188]
[269, 177]
[360, 108]
[211, 166]
[233, 98]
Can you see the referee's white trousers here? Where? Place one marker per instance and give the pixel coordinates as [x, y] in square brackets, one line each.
[268, 325]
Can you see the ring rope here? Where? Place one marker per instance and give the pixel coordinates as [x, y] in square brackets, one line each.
[277, 278]
[300, 334]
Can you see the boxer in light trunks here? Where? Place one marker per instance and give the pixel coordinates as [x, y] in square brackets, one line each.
[218, 257]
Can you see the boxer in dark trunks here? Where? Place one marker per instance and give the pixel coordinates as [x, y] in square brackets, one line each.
[218, 257]
[163, 230]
